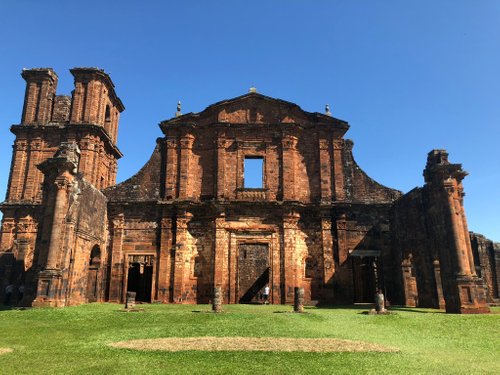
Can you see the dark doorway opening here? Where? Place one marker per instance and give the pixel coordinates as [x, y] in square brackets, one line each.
[364, 279]
[253, 272]
[140, 277]
[93, 275]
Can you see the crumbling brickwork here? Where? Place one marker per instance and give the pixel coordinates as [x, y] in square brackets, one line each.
[487, 264]
[187, 223]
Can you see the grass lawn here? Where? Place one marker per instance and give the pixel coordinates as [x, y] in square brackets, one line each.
[75, 340]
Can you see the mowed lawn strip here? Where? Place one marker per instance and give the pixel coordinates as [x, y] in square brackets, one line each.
[77, 340]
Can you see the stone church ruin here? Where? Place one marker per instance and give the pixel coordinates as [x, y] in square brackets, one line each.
[187, 222]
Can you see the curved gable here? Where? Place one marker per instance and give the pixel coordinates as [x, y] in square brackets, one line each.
[144, 185]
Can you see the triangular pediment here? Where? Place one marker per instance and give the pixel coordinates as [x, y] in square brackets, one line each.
[253, 108]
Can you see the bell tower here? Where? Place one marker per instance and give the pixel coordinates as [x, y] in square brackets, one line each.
[89, 118]
[95, 112]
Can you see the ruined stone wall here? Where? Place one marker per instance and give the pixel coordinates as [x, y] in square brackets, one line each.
[414, 254]
[486, 259]
[431, 240]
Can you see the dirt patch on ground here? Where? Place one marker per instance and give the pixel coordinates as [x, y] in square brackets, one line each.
[268, 344]
[5, 350]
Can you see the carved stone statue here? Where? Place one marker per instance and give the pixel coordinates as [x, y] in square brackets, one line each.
[69, 151]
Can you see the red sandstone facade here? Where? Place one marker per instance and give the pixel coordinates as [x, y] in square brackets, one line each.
[187, 222]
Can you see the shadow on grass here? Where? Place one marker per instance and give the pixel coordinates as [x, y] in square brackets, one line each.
[356, 306]
[421, 311]
[10, 307]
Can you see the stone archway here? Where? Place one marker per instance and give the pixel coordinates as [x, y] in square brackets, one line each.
[93, 283]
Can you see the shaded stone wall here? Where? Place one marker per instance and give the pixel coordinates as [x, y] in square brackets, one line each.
[487, 259]
[414, 252]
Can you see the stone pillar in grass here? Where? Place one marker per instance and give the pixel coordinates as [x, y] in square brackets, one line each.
[298, 305]
[380, 302]
[217, 300]
[130, 301]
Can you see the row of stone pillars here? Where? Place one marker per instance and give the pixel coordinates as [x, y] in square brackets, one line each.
[298, 305]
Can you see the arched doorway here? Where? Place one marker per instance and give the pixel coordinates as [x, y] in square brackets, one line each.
[93, 274]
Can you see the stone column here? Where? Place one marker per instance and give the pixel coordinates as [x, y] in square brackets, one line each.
[164, 260]
[220, 256]
[181, 250]
[341, 225]
[409, 282]
[117, 267]
[217, 300]
[439, 284]
[338, 170]
[465, 230]
[463, 290]
[18, 171]
[60, 204]
[33, 177]
[221, 165]
[171, 168]
[463, 267]
[290, 256]
[59, 172]
[276, 266]
[7, 235]
[184, 168]
[343, 270]
[289, 150]
[298, 300]
[328, 260]
[325, 171]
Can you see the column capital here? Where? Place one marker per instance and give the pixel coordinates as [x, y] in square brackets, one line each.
[291, 220]
[324, 144]
[326, 223]
[165, 223]
[187, 141]
[119, 221]
[171, 142]
[221, 142]
[183, 219]
[289, 142]
[338, 144]
[62, 183]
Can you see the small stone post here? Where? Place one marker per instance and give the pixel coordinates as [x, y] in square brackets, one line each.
[217, 300]
[380, 302]
[298, 305]
[130, 301]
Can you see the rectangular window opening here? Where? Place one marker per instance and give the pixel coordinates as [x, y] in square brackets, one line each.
[253, 172]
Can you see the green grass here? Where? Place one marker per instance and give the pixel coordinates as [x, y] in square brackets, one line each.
[74, 340]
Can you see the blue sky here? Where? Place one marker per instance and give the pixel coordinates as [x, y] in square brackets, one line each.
[408, 76]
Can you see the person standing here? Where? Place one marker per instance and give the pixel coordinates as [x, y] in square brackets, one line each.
[265, 295]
